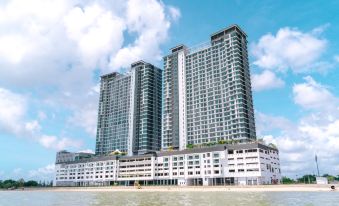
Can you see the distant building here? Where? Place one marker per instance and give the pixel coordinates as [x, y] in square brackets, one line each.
[65, 156]
[129, 115]
[240, 164]
[321, 180]
[207, 92]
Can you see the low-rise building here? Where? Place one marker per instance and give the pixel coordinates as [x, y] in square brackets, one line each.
[238, 164]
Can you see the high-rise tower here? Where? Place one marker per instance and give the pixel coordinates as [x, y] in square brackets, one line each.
[129, 115]
[207, 92]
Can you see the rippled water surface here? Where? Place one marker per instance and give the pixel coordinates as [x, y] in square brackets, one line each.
[37, 198]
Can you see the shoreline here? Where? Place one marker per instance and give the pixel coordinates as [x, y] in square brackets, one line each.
[256, 188]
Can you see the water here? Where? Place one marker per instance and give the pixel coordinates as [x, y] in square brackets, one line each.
[37, 198]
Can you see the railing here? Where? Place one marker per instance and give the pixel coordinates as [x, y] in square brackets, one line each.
[199, 47]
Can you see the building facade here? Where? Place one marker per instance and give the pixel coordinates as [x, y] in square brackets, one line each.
[129, 114]
[207, 92]
[147, 93]
[241, 164]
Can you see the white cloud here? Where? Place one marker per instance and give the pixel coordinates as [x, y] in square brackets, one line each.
[174, 12]
[17, 170]
[56, 143]
[336, 58]
[33, 126]
[13, 120]
[60, 47]
[315, 133]
[151, 28]
[13, 48]
[12, 110]
[267, 123]
[298, 147]
[266, 80]
[289, 49]
[43, 173]
[42, 115]
[93, 35]
[312, 95]
[86, 118]
[96, 31]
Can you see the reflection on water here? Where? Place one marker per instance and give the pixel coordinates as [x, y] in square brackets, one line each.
[37, 198]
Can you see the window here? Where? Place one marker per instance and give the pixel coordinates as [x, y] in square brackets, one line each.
[252, 170]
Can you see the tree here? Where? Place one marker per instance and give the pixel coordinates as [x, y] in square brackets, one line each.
[189, 146]
[286, 180]
[222, 142]
[330, 178]
[9, 184]
[307, 179]
[21, 182]
[31, 183]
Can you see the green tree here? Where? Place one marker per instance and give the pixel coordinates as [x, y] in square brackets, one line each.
[286, 180]
[31, 183]
[21, 182]
[307, 179]
[222, 141]
[189, 146]
[9, 184]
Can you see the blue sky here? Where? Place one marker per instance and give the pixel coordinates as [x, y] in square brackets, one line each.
[53, 52]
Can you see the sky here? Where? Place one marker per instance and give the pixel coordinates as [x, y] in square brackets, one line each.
[52, 53]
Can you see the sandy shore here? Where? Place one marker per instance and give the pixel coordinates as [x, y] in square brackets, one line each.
[259, 188]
